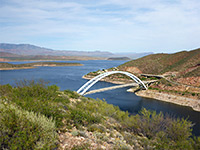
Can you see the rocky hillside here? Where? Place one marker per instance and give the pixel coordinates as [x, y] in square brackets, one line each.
[185, 63]
[36, 116]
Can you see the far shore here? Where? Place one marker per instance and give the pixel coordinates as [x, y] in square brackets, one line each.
[67, 59]
[17, 68]
[165, 97]
[7, 66]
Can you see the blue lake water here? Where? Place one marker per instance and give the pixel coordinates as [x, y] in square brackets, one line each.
[70, 77]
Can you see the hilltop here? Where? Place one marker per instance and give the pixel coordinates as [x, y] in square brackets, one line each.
[185, 63]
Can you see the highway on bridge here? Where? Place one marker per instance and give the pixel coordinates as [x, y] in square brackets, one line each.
[117, 86]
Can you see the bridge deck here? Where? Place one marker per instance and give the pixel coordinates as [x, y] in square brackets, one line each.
[116, 87]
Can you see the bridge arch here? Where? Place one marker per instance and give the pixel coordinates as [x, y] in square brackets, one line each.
[94, 80]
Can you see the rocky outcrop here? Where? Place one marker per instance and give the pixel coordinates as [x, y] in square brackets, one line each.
[75, 138]
[132, 70]
[194, 81]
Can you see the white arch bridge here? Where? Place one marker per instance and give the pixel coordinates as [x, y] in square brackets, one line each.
[94, 80]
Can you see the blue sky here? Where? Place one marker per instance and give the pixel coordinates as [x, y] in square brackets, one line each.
[107, 25]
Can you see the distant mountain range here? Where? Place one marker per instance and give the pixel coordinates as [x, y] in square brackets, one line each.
[27, 49]
[18, 50]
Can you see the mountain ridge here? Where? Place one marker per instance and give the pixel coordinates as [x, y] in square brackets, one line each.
[182, 62]
[28, 49]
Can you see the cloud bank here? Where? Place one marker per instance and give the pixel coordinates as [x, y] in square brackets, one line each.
[112, 25]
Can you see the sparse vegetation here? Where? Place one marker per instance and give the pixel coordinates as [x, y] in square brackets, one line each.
[186, 63]
[32, 114]
[21, 129]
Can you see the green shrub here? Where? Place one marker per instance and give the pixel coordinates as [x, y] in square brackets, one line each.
[20, 129]
[164, 132]
[40, 101]
[96, 127]
[151, 123]
[5, 90]
[105, 109]
[179, 129]
[72, 94]
[196, 143]
[38, 89]
[83, 117]
[84, 146]
[39, 98]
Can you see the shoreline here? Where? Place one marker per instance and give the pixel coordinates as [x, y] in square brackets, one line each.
[170, 98]
[40, 65]
[17, 68]
[152, 94]
[72, 59]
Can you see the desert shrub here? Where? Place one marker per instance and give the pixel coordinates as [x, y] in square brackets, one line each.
[111, 111]
[103, 108]
[72, 94]
[97, 128]
[164, 132]
[38, 89]
[20, 129]
[84, 146]
[5, 90]
[83, 117]
[193, 94]
[164, 142]
[89, 111]
[36, 99]
[150, 123]
[196, 142]
[178, 129]
[39, 98]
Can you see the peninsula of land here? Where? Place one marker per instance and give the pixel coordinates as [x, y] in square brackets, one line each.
[177, 75]
[8, 66]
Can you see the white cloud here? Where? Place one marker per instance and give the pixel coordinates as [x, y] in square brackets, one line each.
[145, 25]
